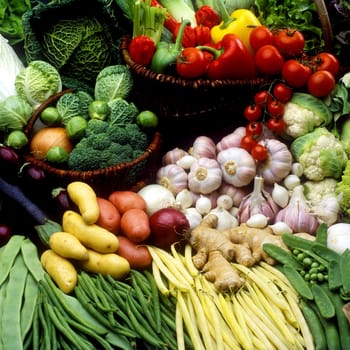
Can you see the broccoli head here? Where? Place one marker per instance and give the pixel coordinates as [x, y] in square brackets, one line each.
[96, 126]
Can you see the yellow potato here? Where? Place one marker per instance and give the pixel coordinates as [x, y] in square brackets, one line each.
[106, 264]
[61, 270]
[91, 236]
[85, 198]
[68, 246]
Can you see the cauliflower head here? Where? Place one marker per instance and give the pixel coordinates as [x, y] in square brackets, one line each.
[316, 191]
[320, 153]
[303, 113]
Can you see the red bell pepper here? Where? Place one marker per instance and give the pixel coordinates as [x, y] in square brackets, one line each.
[141, 49]
[207, 16]
[232, 60]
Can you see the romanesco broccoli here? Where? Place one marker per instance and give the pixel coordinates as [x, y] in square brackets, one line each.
[343, 190]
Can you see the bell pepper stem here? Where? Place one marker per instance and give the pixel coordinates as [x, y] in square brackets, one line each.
[225, 16]
[215, 52]
[178, 41]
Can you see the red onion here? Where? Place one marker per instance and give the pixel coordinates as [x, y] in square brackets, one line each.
[5, 234]
[168, 225]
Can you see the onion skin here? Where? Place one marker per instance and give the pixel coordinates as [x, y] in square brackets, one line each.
[168, 226]
[5, 234]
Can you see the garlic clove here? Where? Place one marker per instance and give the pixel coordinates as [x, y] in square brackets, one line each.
[280, 227]
[257, 221]
[280, 195]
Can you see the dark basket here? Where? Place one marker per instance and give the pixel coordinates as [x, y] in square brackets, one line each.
[103, 180]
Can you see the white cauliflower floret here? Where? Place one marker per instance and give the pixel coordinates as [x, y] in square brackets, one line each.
[315, 191]
[299, 121]
[320, 153]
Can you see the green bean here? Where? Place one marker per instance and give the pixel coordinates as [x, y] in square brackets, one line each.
[345, 271]
[52, 330]
[44, 322]
[31, 259]
[36, 329]
[8, 256]
[121, 342]
[11, 315]
[30, 297]
[28, 341]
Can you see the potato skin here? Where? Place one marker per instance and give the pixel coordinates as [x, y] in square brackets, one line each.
[85, 198]
[109, 216]
[61, 270]
[106, 264]
[137, 254]
[68, 246]
[91, 236]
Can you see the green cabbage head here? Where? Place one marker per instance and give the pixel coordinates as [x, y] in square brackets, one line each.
[37, 82]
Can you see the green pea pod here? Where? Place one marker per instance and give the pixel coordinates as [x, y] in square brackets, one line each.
[345, 271]
[166, 54]
[323, 302]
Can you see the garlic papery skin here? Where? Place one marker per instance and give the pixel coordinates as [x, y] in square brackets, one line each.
[184, 199]
[186, 162]
[257, 202]
[203, 205]
[327, 210]
[280, 195]
[257, 221]
[291, 181]
[280, 227]
[203, 146]
[237, 165]
[278, 163]
[205, 176]
[231, 140]
[172, 156]
[172, 177]
[225, 219]
[193, 216]
[297, 214]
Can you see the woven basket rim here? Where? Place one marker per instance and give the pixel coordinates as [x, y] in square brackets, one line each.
[152, 148]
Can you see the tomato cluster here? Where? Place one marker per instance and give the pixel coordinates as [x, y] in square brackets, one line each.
[266, 110]
[280, 53]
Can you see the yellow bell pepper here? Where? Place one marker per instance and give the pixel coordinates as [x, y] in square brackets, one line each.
[241, 22]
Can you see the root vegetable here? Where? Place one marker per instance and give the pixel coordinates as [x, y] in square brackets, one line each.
[135, 224]
[109, 217]
[124, 200]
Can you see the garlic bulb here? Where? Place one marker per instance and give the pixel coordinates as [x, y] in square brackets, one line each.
[172, 156]
[327, 210]
[172, 177]
[203, 146]
[231, 140]
[237, 165]
[257, 202]
[225, 219]
[278, 163]
[297, 214]
[186, 161]
[236, 193]
[203, 205]
[205, 176]
[193, 216]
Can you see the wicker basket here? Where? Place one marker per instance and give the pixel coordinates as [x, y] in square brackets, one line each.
[103, 180]
[174, 97]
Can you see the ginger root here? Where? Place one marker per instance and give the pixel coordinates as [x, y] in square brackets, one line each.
[215, 250]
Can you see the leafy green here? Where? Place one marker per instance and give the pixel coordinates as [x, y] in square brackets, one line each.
[301, 15]
[37, 82]
[122, 111]
[14, 113]
[113, 82]
[79, 37]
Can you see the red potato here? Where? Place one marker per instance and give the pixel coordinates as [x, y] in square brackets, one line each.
[138, 255]
[124, 200]
[135, 225]
[109, 217]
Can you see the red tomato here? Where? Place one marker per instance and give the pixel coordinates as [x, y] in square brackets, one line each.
[261, 36]
[326, 61]
[321, 83]
[259, 152]
[252, 112]
[254, 129]
[295, 73]
[282, 92]
[191, 63]
[289, 42]
[248, 142]
[276, 125]
[275, 108]
[268, 60]
[261, 97]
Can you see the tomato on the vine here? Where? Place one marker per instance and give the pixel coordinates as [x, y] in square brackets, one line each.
[321, 83]
[326, 61]
[282, 92]
[268, 60]
[276, 125]
[252, 112]
[259, 152]
[275, 108]
[289, 42]
[260, 36]
[191, 63]
[261, 97]
[254, 128]
[248, 142]
[295, 73]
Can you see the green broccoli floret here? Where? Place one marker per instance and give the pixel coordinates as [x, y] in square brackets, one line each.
[343, 190]
[96, 126]
[122, 112]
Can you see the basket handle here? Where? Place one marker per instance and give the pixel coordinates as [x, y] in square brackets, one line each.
[325, 23]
